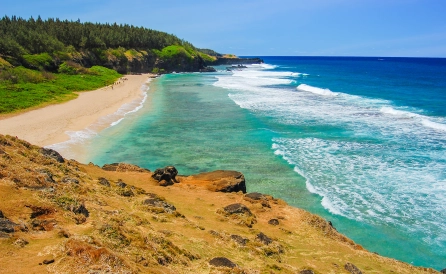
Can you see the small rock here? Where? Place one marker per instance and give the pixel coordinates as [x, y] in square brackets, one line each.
[7, 226]
[81, 210]
[48, 261]
[239, 239]
[1, 214]
[121, 184]
[443, 271]
[70, 180]
[352, 268]
[263, 238]
[156, 201]
[21, 242]
[237, 209]
[222, 262]
[273, 222]
[104, 182]
[255, 196]
[306, 271]
[52, 154]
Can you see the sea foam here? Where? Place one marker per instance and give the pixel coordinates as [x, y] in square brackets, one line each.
[316, 90]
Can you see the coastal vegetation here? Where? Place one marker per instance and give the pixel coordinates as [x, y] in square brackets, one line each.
[45, 61]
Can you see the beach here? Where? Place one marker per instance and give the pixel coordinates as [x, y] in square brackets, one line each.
[49, 125]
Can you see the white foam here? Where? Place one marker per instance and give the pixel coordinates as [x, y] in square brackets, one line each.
[434, 125]
[400, 113]
[316, 90]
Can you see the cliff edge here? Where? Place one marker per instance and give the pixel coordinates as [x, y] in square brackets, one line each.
[61, 216]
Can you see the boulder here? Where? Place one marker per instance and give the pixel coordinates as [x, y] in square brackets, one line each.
[443, 271]
[263, 238]
[6, 226]
[167, 174]
[104, 182]
[155, 202]
[352, 268]
[273, 222]
[237, 209]
[48, 152]
[239, 239]
[255, 197]
[222, 262]
[219, 181]
[239, 213]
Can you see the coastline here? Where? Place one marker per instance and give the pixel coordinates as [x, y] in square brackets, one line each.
[49, 125]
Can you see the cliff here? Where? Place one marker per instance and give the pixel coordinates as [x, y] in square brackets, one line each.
[61, 216]
[234, 61]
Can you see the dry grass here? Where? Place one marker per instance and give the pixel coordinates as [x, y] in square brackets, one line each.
[124, 234]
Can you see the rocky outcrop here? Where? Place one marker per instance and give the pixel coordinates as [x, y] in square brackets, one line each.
[220, 181]
[6, 226]
[239, 213]
[166, 176]
[352, 268]
[123, 167]
[222, 262]
[235, 61]
[52, 154]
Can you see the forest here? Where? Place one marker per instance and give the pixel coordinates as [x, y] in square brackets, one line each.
[40, 60]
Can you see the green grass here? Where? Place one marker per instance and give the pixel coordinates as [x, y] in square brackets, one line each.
[22, 88]
[173, 51]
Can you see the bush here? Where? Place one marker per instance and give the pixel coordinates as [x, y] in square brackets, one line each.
[38, 61]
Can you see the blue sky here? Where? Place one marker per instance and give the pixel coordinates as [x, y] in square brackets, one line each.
[279, 27]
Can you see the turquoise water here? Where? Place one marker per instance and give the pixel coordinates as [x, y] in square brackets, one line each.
[359, 141]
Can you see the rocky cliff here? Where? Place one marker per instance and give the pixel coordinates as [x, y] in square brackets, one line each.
[61, 216]
[235, 61]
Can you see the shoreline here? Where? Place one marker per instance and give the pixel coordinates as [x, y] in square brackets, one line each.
[49, 125]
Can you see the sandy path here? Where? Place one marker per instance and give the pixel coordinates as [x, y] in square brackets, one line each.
[48, 125]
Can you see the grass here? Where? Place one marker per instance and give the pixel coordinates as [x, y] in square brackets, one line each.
[22, 88]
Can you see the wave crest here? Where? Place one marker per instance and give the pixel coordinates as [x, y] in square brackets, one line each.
[316, 90]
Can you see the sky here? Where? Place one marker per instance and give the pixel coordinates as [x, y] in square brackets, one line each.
[402, 28]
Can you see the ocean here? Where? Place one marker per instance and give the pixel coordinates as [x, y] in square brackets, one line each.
[360, 141]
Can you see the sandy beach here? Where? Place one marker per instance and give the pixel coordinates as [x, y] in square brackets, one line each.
[48, 125]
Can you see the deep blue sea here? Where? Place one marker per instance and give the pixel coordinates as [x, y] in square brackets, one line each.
[359, 141]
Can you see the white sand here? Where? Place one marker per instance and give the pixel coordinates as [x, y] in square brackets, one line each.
[47, 126]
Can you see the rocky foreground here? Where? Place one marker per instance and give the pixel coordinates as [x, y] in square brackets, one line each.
[60, 216]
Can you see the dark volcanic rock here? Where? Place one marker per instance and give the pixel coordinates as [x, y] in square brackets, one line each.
[273, 222]
[82, 210]
[104, 182]
[239, 239]
[306, 271]
[1, 214]
[222, 262]
[121, 184]
[167, 174]
[157, 202]
[52, 154]
[263, 238]
[237, 209]
[48, 261]
[69, 180]
[208, 69]
[235, 61]
[7, 226]
[255, 196]
[443, 271]
[352, 268]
